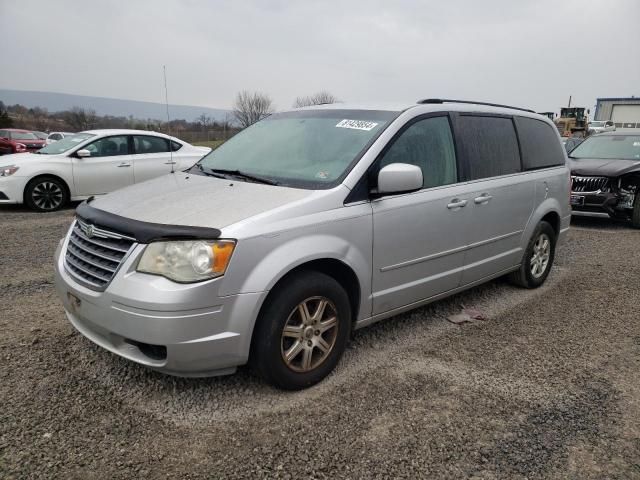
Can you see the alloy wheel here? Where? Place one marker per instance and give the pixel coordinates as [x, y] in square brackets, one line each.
[309, 334]
[541, 255]
[47, 195]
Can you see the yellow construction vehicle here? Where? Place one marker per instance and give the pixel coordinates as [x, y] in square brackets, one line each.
[573, 121]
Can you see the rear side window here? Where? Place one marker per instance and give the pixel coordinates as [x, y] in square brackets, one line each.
[540, 145]
[488, 145]
[175, 146]
[148, 144]
[428, 144]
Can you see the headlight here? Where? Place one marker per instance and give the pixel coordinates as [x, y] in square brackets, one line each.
[8, 171]
[187, 261]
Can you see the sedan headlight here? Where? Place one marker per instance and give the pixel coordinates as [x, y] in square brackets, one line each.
[187, 261]
[8, 171]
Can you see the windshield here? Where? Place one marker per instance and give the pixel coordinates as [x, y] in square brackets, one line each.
[610, 147]
[307, 149]
[596, 124]
[67, 143]
[23, 136]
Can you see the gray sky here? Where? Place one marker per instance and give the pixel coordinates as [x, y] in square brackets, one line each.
[529, 53]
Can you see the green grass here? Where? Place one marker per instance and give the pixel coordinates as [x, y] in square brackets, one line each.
[213, 144]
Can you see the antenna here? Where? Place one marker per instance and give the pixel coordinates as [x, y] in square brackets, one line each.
[166, 102]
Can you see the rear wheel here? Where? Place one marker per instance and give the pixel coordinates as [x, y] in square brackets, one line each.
[538, 258]
[46, 194]
[302, 331]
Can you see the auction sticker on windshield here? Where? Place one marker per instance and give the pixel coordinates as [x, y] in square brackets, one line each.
[357, 124]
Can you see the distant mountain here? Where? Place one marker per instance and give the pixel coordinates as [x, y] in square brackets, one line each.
[55, 102]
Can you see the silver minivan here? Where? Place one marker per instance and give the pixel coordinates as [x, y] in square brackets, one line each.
[309, 224]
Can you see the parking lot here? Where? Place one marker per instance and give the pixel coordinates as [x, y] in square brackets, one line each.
[545, 387]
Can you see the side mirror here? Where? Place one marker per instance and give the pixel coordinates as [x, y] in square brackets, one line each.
[83, 153]
[399, 178]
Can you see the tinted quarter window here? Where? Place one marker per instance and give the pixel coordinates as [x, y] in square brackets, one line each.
[175, 146]
[539, 142]
[147, 144]
[109, 146]
[428, 144]
[488, 145]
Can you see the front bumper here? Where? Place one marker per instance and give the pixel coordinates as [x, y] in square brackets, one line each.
[12, 189]
[598, 202]
[179, 329]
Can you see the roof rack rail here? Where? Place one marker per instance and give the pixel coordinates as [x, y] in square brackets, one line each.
[445, 100]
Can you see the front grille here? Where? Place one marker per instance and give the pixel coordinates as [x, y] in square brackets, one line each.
[94, 255]
[589, 184]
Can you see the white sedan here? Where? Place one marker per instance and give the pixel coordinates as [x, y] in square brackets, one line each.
[89, 163]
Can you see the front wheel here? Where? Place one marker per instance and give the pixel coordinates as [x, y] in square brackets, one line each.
[302, 331]
[635, 215]
[46, 194]
[538, 258]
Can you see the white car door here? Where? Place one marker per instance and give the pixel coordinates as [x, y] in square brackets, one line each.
[108, 168]
[151, 157]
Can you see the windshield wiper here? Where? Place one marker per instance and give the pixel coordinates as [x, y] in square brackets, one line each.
[240, 174]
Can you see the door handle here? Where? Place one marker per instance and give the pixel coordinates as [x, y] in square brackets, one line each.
[170, 163]
[484, 198]
[456, 203]
[124, 164]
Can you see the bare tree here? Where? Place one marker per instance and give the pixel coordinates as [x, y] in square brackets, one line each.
[319, 98]
[205, 121]
[251, 107]
[81, 119]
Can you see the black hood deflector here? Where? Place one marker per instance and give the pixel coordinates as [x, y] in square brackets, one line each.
[143, 232]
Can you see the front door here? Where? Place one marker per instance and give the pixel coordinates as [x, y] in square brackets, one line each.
[419, 238]
[109, 167]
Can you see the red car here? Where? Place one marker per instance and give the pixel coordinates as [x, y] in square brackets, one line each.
[13, 140]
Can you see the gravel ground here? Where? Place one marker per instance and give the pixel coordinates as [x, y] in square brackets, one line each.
[546, 387]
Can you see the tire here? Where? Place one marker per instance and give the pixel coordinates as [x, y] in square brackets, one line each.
[635, 215]
[310, 360]
[536, 265]
[46, 194]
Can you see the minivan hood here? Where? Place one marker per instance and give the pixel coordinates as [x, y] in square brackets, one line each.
[195, 200]
[603, 167]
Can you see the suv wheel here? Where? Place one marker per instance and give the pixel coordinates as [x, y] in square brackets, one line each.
[302, 331]
[46, 194]
[538, 258]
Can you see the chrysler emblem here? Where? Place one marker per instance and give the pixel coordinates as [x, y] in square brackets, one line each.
[88, 230]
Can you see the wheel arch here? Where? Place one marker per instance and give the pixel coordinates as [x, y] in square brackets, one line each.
[553, 219]
[65, 184]
[332, 267]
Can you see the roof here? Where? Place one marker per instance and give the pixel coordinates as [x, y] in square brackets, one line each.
[17, 130]
[124, 131]
[617, 99]
[424, 107]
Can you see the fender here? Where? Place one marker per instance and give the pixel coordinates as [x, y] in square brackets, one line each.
[259, 273]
